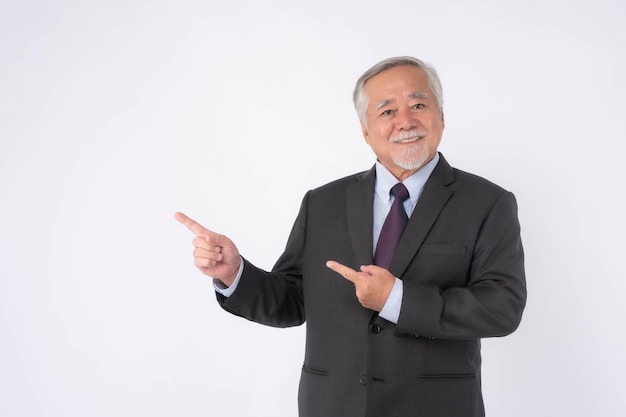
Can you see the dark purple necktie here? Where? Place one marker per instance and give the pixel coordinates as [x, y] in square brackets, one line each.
[392, 228]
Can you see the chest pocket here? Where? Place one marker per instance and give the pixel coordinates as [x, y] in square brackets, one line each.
[442, 249]
[442, 264]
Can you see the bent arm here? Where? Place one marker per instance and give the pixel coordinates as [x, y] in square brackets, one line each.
[492, 302]
[273, 298]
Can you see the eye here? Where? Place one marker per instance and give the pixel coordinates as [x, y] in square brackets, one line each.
[419, 106]
[387, 113]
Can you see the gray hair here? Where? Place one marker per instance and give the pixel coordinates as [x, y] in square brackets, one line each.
[361, 101]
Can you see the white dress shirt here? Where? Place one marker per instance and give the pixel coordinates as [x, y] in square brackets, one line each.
[382, 204]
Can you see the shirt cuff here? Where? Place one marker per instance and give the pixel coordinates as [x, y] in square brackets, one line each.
[223, 289]
[391, 310]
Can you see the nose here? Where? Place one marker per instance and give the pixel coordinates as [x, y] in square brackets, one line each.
[406, 120]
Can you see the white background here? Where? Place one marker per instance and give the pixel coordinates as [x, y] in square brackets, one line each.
[116, 114]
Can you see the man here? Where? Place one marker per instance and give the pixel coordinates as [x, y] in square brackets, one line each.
[396, 336]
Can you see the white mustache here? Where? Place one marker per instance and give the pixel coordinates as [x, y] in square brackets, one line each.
[410, 134]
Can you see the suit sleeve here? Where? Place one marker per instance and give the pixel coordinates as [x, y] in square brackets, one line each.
[491, 303]
[273, 298]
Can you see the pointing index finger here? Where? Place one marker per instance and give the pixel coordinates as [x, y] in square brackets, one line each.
[195, 227]
[345, 271]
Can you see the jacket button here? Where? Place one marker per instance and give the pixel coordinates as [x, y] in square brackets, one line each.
[375, 328]
[363, 380]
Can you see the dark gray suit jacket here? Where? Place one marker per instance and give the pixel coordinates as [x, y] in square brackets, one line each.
[461, 262]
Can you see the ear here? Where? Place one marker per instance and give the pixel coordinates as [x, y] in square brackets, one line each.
[443, 119]
[364, 131]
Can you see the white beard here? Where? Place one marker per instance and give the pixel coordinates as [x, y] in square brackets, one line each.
[410, 157]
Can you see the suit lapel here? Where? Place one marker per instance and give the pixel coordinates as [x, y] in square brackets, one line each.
[360, 206]
[431, 202]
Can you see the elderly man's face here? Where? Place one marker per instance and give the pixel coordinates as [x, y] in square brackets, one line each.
[404, 125]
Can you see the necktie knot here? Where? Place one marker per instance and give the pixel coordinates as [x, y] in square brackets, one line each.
[400, 192]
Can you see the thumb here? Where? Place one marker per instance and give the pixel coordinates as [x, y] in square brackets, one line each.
[216, 239]
[213, 238]
[371, 269]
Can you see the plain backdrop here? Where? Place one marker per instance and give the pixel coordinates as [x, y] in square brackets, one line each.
[116, 114]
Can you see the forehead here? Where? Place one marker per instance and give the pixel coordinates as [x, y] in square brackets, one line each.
[403, 81]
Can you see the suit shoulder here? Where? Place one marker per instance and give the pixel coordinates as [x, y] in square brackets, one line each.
[464, 179]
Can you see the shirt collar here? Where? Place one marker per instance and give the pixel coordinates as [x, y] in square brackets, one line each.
[415, 183]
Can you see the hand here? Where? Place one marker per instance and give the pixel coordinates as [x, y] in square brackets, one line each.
[373, 284]
[214, 254]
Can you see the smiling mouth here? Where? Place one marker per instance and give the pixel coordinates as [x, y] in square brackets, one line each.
[408, 136]
[407, 140]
